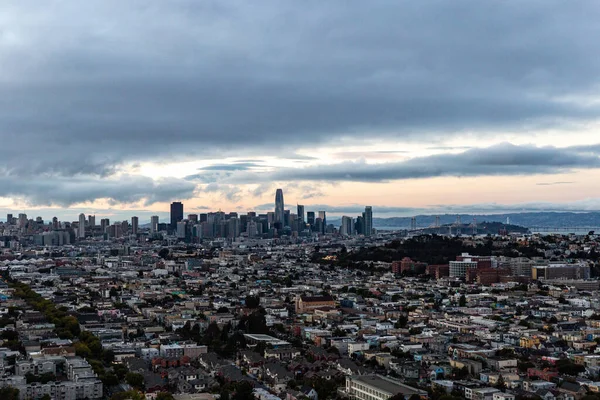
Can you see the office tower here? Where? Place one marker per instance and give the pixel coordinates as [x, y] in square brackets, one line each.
[154, 224]
[233, 228]
[55, 223]
[81, 228]
[347, 227]
[243, 223]
[252, 229]
[203, 217]
[368, 220]
[286, 218]
[193, 218]
[300, 209]
[91, 221]
[271, 218]
[104, 224]
[22, 220]
[9, 218]
[124, 228]
[134, 225]
[319, 225]
[176, 214]
[279, 206]
[115, 230]
[252, 214]
[310, 218]
[181, 229]
[359, 226]
[323, 221]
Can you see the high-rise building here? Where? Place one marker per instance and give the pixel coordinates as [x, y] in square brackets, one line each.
[310, 218]
[347, 227]
[368, 220]
[233, 228]
[300, 209]
[193, 218]
[55, 223]
[279, 206]
[181, 229]
[9, 218]
[319, 227]
[359, 226]
[134, 225]
[104, 224]
[23, 220]
[91, 221]
[154, 224]
[323, 217]
[81, 228]
[176, 214]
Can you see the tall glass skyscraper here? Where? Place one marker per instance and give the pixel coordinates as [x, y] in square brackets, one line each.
[368, 220]
[279, 206]
[300, 213]
[176, 214]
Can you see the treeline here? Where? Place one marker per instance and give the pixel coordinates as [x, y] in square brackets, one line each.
[431, 249]
[67, 327]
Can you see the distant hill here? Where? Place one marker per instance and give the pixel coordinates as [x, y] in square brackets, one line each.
[483, 228]
[526, 219]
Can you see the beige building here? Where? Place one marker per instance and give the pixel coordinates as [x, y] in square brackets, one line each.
[309, 303]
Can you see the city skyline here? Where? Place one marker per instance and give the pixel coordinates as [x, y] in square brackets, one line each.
[388, 113]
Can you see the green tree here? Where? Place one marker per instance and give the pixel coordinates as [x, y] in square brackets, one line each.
[501, 384]
[164, 396]
[252, 301]
[9, 393]
[134, 379]
[243, 391]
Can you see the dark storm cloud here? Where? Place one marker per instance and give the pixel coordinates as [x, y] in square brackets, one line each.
[138, 80]
[67, 191]
[87, 86]
[503, 159]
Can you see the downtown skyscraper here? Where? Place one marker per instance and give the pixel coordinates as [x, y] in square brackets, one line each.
[279, 207]
[368, 220]
[176, 214]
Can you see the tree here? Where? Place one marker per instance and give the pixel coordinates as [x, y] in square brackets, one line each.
[135, 380]
[243, 391]
[252, 301]
[129, 395]
[164, 396]
[163, 253]
[500, 384]
[9, 393]
[462, 301]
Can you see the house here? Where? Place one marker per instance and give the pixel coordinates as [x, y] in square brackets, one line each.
[573, 388]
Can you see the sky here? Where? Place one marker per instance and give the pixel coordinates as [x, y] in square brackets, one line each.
[117, 108]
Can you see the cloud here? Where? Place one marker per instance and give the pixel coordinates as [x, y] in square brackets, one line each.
[237, 166]
[87, 89]
[502, 159]
[65, 192]
[553, 183]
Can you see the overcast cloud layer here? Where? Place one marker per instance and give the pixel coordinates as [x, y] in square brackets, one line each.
[88, 86]
[503, 159]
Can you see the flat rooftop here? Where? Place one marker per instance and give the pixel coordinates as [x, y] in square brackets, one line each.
[385, 384]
